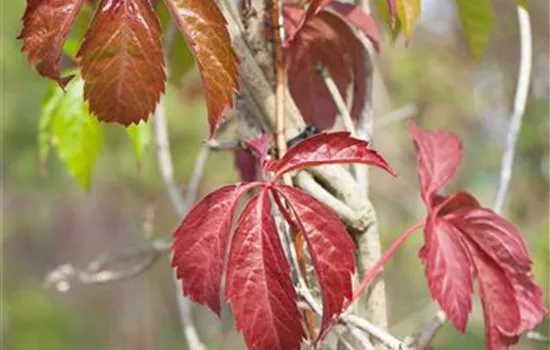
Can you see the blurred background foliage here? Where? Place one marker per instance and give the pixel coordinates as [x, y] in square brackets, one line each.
[48, 219]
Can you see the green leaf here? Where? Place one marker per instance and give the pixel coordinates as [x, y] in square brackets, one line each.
[523, 3]
[408, 12]
[67, 125]
[140, 135]
[477, 19]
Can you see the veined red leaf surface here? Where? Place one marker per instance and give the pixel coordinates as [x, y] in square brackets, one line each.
[327, 40]
[327, 148]
[204, 26]
[500, 309]
[448, 271]
[259, 286]
[464, 239]
[46, 24]
[330, 246]
[502, 242]
[438, 157]
[121, 61]
[200, 242]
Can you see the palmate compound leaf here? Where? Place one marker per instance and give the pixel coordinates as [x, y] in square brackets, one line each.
[121, 61]
[46, 24]
[327, 148]
[259, 286]
[66, 125]
[463, 240]
[204, 26]
[200, 242]
[330, 246]
[257, 269]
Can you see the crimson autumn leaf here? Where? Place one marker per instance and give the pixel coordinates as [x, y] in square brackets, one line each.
[46, 24]
[327, 148]
[463, 240]
[200, 242]
[316, 37]
[330, 246]
[257, 268]
[121, 61]
[204, 27]
[259, 287]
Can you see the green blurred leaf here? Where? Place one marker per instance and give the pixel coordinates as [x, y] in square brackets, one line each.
[477, 19]
[408, 12]
[140, 135]
[66, 125]
[384, 12]
[523, 3]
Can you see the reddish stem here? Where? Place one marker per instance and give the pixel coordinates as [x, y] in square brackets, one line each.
[369, 276]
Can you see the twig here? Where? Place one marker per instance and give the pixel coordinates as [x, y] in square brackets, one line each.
[535, 336]
[520, 100]
[98, 270]
[180, 207]
[216, 145]
[426, 335]
[338, 99]
[396, 115]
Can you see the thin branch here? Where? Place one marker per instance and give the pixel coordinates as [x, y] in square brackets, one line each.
[216, 145]
[98, 270]
[520, 101]
[424, 338]
[396, 115]
[180, 206]
[337, 98]
[537, 337]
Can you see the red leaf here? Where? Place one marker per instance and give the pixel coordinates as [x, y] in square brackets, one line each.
[259, 287]
[314, 7]
[259, 147]
[246, 163]
[502, 242]
[461, 234]
[200, 242]
[438, 154]
[121, 61]
[327, 148]
[46, 24]
[448, 271]
[360, 19]
[330, 246]
[204, 26]
[500, 310]
[328, 40]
